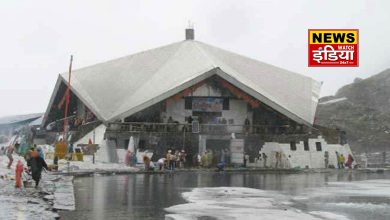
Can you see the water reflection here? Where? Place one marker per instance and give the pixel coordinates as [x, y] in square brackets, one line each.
[145, 196]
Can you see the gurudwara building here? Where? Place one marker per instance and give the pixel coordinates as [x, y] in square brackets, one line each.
[195, 97]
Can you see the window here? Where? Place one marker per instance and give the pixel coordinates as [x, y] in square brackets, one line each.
[142, 144]
[293, 146]
[195, 127]
[318, 146]
[187, 103]
[306, 145]
[225, 105]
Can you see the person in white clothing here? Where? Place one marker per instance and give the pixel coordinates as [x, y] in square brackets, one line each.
[161, 163]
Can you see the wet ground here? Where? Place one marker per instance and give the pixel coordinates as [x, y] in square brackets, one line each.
[344, 195]
[32, 203]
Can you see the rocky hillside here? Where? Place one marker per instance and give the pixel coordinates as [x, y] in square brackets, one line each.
[362, 109]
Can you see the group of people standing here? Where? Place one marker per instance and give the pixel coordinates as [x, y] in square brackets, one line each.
[130, 158]
[35, 164]
[342, 162]
[173, 160]
[211, 158]
[177, 159]
[262, 158]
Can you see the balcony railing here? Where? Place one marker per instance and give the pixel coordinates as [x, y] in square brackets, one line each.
[203, 128]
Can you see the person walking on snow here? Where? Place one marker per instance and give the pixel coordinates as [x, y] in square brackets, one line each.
[37, 164]
[18, 174]
[10, 151]
[342, 161]
[338, 160]
[349, 161]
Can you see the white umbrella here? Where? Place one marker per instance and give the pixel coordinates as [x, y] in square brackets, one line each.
[131, 145]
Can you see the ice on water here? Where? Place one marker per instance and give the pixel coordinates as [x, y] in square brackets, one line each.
[247, 203]
[235, 203]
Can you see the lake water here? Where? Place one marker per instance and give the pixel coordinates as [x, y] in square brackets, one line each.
[208, 195]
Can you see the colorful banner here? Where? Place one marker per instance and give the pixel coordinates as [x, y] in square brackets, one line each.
[207, 104]
[333, 47]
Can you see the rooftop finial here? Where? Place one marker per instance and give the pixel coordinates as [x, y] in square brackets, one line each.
[190, 25]
[190, 33]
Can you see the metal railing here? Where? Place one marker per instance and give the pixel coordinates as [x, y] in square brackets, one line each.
[77, 132]
[203, 128]
[376, 159]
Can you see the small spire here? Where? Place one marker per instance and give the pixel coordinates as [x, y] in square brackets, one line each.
[190, 33]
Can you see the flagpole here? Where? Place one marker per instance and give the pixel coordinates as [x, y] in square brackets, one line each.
[67, 94]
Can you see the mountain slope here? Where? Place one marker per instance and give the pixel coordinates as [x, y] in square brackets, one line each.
[362, 109]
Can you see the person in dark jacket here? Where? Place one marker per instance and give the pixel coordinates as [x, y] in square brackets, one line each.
[220, 166]
[37, 164]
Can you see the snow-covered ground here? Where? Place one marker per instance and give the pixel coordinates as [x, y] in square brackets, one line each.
[337, 201]
[88, 165]
[22, 206]
[55, 192]
[332, 101]
[6, 173]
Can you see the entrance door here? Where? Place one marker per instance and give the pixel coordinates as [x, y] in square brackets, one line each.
[217, 146]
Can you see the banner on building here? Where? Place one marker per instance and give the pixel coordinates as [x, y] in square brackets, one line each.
[207, 104]
[333, 47]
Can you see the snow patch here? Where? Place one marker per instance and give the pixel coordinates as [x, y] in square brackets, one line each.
[246, 203]
[16, 207]
[360, 206]
[332, 101]
[88, 165]
[329, 215]
[371, 188]
[236, 203]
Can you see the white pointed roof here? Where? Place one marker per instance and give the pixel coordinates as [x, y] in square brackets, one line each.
[121, 87]
[7, 120]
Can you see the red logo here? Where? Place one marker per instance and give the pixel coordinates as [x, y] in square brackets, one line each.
[333, 47]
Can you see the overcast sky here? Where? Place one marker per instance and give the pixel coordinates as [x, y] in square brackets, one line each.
[37, 37]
